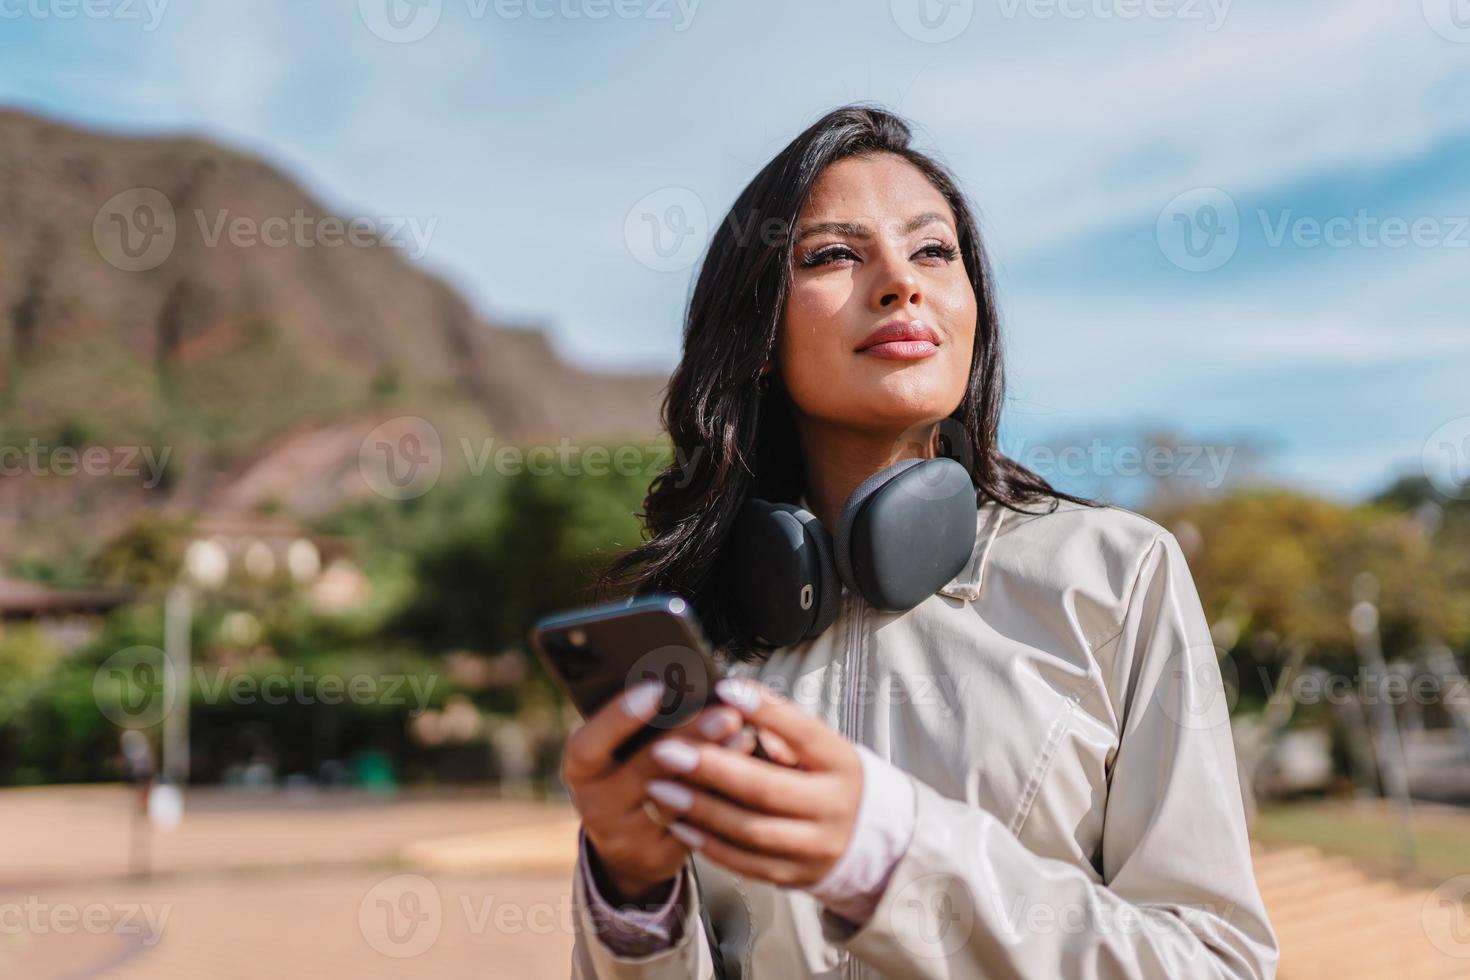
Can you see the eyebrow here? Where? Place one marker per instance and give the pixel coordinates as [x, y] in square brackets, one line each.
[851, 229]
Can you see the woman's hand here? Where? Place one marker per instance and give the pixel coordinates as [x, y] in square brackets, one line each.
[784, 825]
[637, 856]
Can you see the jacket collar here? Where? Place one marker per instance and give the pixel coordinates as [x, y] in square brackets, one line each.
[967, 584]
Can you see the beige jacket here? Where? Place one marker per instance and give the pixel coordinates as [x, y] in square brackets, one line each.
[1059, 707]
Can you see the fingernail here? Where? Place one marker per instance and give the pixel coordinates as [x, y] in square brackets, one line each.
[740, 692]
[713, 725]
[671, 795]
[690, 837]
[643, 700]
[676, 755]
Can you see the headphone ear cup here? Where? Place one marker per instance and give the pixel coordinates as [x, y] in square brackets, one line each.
[825, 595]
[776, 572]
[842, 541]
[913, 534]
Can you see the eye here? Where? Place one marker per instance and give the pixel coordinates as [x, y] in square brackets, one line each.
[939, 250]
[827, 256]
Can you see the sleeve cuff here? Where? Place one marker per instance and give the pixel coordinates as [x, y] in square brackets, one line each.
[628, 930]
[853, 886]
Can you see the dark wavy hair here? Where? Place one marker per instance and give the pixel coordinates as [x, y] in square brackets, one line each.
[730, 441]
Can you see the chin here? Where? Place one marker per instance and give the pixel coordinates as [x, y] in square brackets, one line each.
[904, 405]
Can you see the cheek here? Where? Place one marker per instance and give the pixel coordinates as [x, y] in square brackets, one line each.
[960, 313]
[811, 336]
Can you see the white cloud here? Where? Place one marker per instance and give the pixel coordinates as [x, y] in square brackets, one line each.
[1071, 132]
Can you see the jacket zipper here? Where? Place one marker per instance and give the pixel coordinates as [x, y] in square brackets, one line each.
[849, 718]
[854, 667]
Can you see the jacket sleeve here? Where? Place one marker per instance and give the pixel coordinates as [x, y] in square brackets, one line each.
[593, 959]
[625, 930]
[1177, 895]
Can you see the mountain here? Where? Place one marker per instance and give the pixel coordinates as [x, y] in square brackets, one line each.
[173, 297]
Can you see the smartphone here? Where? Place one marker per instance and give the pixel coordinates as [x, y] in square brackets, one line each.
[597, 653]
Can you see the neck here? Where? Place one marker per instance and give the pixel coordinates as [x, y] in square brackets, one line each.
[836, 458]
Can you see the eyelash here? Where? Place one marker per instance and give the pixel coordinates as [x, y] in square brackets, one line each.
[826, 255]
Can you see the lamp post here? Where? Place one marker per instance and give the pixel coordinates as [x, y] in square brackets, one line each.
[1388, 745]
[206, 565]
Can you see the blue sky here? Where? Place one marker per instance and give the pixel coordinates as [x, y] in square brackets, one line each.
[1088, 136]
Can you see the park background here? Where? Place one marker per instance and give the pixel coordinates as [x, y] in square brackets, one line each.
[332, 338]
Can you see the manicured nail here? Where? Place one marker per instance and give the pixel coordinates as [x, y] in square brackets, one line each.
[676, 755]
[687, 835]
[739, 692]
[642, 701]
[713, 725]
[671, 795]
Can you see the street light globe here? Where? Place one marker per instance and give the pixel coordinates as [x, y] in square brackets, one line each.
[303, 560]
[260, 561]
[1364, 618]
[207, 562]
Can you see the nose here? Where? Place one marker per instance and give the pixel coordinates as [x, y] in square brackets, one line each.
[895, 282]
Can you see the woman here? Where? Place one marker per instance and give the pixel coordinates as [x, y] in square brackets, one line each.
[1025, 774]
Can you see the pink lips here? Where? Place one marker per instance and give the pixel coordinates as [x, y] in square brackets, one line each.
[907, 340]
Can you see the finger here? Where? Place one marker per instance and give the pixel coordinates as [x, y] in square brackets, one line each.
[813, 743]
[777, 749]
[757, 784]
[718, 723]
[777, 836]
[589, 751]
[778, 871]
[621, 790]
[743, 741]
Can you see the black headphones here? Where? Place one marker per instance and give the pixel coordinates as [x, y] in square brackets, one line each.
[904, 532]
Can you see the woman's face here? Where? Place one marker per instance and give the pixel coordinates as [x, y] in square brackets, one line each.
[876, 247]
